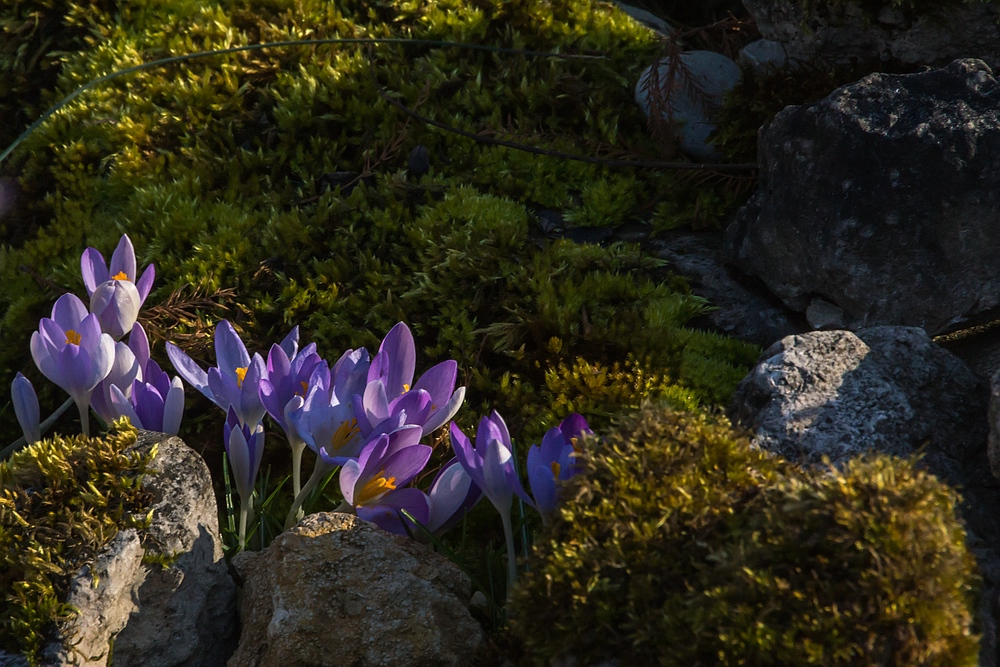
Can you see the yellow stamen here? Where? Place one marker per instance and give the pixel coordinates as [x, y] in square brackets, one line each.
[72, 337]
[344, 433]
[374, 489]
[241, 373]
[574, 442]
[406, 388]
[555, 469]
[119, 276]
[305, 388]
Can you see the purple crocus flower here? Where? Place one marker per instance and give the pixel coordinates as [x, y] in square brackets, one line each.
[72, 352]
[553, 462]
[491, 466]
[373, 484]
[26, 408]
[429, 403]
[123, 267]
[124, 371]
[233, 382]
[116, 303]
[245, 448]
[452, 494]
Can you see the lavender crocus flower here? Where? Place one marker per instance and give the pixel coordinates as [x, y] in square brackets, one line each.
[373, 484]
[71, 351]
[124, 371]
[115, 296]
[553, 462]
[233, 382]
[244, 447]
[288, 375]
[491, 466]
[429, 403]
[26, 408]
[123, 267]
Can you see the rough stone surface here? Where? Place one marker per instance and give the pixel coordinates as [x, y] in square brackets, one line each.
[846, 30]
[182, 614]
[882, 199]
[745, 311]
[888, 389]
[186, 611]
[994, 424]
[763, 54]
[695, 92]
[336, 590]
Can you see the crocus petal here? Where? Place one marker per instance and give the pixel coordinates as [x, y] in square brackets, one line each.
[189, 370]
[290, 344]
[68, 311]
[116, 304]
[230, 352]
[451, 495]
[148, 402]
[145, 282]
[438, 381]
[350, 472]
[466, 455]
[124, 407]
[26, 408]
[173, 407]
[124, 371]
[376, 405]
[443, 414]
[44, 356]
[94, 269]
[490, 428]
[138, 342]
[387, 516]
[398, 343]
[123, 259]
[239, 453]
[416, 404]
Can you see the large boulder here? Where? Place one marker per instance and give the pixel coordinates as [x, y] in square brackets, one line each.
[838, 30]
[336, 590]
[834, 395]
[880, 204]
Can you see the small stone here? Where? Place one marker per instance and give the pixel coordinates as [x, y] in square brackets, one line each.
[702, 80]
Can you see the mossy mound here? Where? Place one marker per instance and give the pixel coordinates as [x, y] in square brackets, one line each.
[61, 501]
[681, 545]
[271, 187]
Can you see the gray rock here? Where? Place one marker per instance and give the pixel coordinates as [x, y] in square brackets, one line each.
[837, 394]
[737, 310]
[336, 590]
[153, 616]
[186, 611]
[695, 93]
[882, 199]
[841, 31]
[763, 54]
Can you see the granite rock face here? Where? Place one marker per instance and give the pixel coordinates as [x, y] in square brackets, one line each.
[187, 610]
[336, 590]
[882, 201]
[841, 30]
[837, 394]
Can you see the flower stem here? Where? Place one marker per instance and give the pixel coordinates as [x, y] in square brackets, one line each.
[244, 511]
[508, 533]
[45, 426]
[297, 447]
[320, 470]
[84, 408]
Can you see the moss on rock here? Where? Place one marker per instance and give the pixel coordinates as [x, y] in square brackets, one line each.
[681, 545]
[61, 501]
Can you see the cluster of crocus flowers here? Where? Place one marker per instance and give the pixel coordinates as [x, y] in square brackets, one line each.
[79, 349]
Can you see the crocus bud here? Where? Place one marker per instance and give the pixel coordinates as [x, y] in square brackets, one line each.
[26, 408]
[116, 304]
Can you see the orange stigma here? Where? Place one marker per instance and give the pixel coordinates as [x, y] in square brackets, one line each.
[375, 488]
[241, 373]
[119, 276]
[72, 337]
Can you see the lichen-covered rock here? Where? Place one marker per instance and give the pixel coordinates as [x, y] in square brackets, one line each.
[682, 545]
[882, 200]
[336, 590]
[933, 33]
[186, 604]
[835, 395]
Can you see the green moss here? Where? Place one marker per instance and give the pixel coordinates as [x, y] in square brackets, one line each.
[61, 501]
[681, 545]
